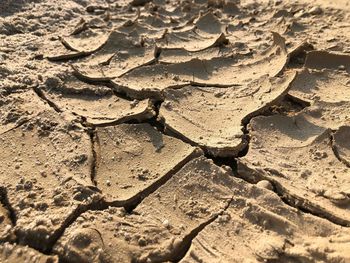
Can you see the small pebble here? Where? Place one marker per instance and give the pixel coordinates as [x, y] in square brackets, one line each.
[166, 223]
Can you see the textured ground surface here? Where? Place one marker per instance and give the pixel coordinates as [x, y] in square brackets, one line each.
[174, 131]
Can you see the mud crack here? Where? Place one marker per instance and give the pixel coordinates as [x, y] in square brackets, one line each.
[255, 175]
[98, 205]
[5, 202]
[93, 141]
[336, 151]
[42, 96]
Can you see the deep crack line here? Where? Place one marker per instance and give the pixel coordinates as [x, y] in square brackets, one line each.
[176, 254]
[131, 203]
[94, 143]
[290, 199]
[6, 203]
[20, 124]
[306, 206]
[294, 201]
[147, 113]
[98, 205]
[101, 204]
[11, 235]
[137, 199]
[42, 96]
[336, 153]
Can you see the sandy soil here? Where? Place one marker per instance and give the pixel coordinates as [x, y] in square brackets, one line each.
[174, 131]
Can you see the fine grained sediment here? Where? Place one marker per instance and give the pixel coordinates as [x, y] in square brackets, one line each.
[46, 173]
[113, 113]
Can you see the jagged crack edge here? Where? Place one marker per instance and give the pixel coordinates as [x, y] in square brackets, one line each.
[6, 203]
[97, 205]
[42, 96]
[336, 153]
[94, 142]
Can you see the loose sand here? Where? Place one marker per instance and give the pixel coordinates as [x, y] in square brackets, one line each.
[174, 131]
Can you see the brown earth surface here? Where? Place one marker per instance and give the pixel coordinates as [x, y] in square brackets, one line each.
[174, 131]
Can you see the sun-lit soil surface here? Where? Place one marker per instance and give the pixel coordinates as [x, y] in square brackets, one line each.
[174, 131]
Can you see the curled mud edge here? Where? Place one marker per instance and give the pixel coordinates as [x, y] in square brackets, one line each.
[141, 131]
[293, 200]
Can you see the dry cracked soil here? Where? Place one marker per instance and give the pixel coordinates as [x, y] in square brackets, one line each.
[174, 131]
